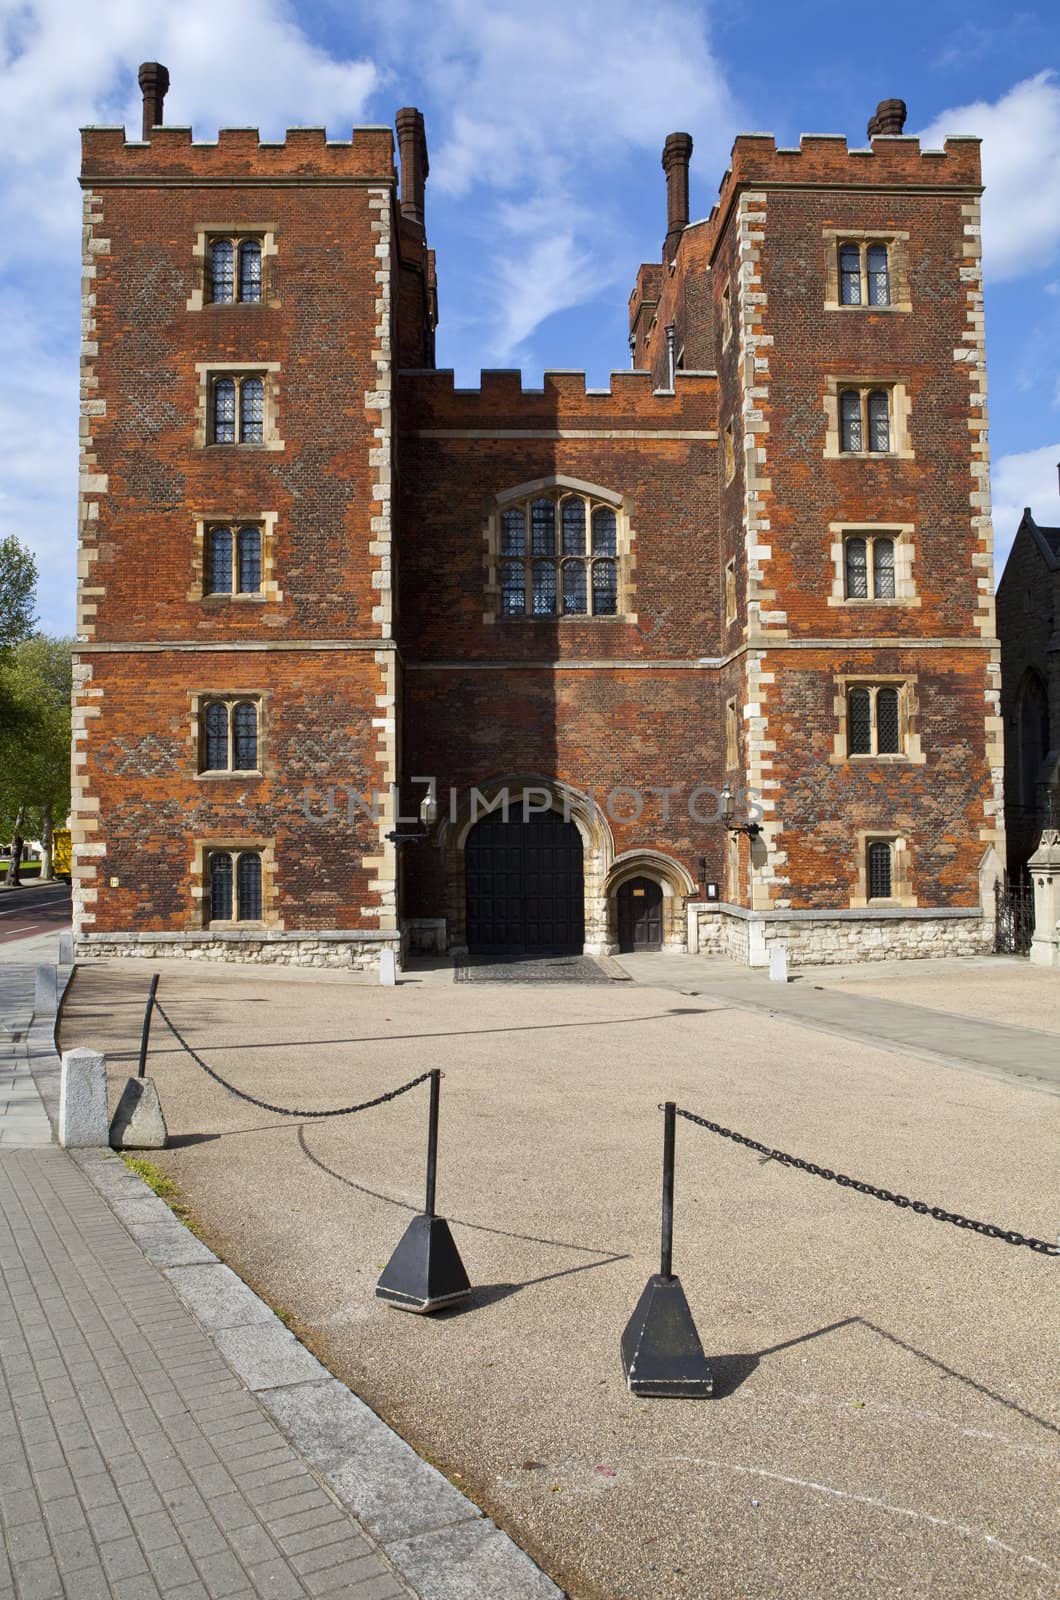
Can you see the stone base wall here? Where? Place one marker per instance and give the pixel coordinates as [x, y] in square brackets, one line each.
[826, 941]
[356, 952]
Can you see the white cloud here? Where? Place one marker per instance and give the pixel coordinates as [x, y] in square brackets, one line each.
[1021, 171]
[1026, 478]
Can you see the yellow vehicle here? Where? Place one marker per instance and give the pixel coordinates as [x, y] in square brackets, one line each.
[62, 859]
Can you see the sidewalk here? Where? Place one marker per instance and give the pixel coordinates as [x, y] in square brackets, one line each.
[149, 1453]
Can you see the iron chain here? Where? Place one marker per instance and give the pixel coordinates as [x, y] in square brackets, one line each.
[284, 1111]
[902, 1201]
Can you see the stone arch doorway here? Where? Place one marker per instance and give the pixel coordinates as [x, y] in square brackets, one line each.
[640, 915]
[524, 884]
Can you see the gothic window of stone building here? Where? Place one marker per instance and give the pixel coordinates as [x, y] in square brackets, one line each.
[229, 741]
[875, 727]
[237, 410]
[559, 556]
[234, 885]
[233, 561]
[869, 561]
[879, 869]
[865, 421]
[234, 272]
[864, 275]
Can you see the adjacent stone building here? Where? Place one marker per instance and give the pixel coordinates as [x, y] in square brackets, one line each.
[704, 659]
[1028, 623]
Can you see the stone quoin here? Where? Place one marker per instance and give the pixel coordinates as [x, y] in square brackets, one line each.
[757, 565]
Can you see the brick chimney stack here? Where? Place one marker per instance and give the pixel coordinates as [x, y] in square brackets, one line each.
[677, 152]
[412, 148]
[889, 118]
[154, 81]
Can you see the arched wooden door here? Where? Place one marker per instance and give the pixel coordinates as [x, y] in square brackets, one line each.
[525, 888]
[640, 915]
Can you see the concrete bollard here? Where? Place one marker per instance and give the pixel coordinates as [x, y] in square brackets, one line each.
[66, 949]
[45, 993]
[387, 968]
[138, 1123]
[83, 1100]
[778, 963]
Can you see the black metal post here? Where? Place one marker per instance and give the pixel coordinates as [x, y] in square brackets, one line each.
[666, 1255]
[432, 1143]
[146, 1031]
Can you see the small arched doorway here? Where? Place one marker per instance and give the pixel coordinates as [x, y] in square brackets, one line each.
[524, 882]
[640, 920]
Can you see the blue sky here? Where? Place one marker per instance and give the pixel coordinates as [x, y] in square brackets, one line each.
[545, 123]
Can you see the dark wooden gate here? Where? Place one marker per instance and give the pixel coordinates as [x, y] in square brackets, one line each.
[640, 915]
[525, 887]
[1013, 916]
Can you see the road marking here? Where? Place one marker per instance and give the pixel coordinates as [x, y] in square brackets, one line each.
[865, 1500]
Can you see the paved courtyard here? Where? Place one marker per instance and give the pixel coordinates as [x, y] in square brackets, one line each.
[884, 1421]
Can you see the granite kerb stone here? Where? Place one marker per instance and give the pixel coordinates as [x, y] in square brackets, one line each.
[220, 1299]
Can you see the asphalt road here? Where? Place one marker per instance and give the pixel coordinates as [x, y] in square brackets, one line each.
[37, 909]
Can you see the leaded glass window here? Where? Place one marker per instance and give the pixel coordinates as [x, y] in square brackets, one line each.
[222, 270]
[220, 886]
[849, 275]
[248, 875]
[216, 752]
[879, 421]
[548, 561]
[879, 863]
[252, 411]
[250, 271]
[878, 275]
[544, 579]
[249, 561]
[883, 569]
[860, 711]
[245, 737]
[857, 569]
[219, 577]
[888, 730]
[850, 420]
[224, 411]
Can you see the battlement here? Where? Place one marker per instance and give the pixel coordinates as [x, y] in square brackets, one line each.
[430, 399]
[304, 155]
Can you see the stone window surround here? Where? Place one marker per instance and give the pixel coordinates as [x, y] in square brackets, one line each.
[732, 748]
[205, 234]
[730, 590]
[902, 535]
[204, 524]
[901, 883]
[625, 556]
[729, 451]
[208, 373]
[897, 242]
[726, 314]
[198, 702]
[200, 889]
[911, 753]
[897, 390]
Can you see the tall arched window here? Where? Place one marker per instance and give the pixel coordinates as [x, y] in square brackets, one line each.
[237, 409]
[222, 270]
[230, 736]
[234, 270]
[250, 271]
[234, 885]
[558, 556]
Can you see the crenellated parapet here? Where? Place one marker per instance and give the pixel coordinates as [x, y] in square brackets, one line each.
[431, 400]
[303, 156]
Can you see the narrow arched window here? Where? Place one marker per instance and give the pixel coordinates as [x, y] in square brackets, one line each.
[605, 589]
[879, 421]
[573, 527]
[888, 726]
[252, 411]
[857, 569]
[544, 581]
[224, 411]
[878, 275]
[249, 887]
[849, 275]
[215, 754]
[220, 886]
[880, 873]
[249, 561]
[245, 737]
[851, 436]
[250, 271]
[860, 714]
[605, 532]
[513, 589]
[575, 596]
[513, 532]
[222, 270]
[543, 528]
[219, 560]
[883, 569]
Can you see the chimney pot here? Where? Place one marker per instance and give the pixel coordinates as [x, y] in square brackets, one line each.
[677, 152]
[889, 118]
[412, 151]
[154, 82]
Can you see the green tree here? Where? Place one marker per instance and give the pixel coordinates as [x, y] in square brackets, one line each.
[35, 679]
[18, 587]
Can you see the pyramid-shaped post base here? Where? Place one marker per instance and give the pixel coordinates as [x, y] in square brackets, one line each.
[425, 1272]
[661, 1352]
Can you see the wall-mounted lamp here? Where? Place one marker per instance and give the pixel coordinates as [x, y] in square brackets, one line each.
[428, 817]
[751, 829]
